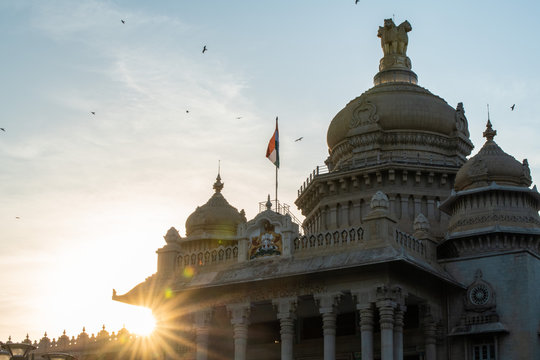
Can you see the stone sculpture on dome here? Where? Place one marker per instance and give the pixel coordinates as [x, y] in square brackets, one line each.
[394, 39]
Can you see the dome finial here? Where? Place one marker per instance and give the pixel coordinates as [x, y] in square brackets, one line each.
[489, 134]
[268, 203]
[218, 185]
[395, 66]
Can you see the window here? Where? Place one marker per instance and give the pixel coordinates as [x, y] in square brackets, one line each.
[484, 351]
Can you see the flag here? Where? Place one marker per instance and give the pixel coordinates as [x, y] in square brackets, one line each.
[272, 152]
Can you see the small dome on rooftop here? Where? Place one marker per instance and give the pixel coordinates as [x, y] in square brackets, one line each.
[492, 164]
[216, 217]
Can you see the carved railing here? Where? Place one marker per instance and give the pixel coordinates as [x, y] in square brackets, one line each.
[283, 209]
[377, 160]
[219, 255]
[319, 170]
[409, 242]
[329, 239]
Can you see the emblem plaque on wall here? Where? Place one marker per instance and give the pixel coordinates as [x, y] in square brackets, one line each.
[268, 243]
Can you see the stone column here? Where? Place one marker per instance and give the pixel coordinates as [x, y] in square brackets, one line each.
[327, 304]
[202, 330]
[430, 329]
[286, 314]
[386, 320]
[240, 321]
[366, 330]
[398, 331]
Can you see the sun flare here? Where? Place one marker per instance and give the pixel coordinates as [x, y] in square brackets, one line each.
[142, 322]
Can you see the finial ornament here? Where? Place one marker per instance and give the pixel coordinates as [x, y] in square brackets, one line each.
[489, 134]
[268, 203]
[218, 185]
[394, 66]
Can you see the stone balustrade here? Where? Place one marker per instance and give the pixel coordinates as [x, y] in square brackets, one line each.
[328, 239]
[220, 255]
[409, 242]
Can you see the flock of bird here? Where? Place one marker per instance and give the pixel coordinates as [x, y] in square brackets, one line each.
[204, 50]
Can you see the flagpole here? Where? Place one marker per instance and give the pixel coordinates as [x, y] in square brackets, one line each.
[276, 188]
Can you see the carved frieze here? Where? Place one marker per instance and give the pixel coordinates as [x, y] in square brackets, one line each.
[494, 219]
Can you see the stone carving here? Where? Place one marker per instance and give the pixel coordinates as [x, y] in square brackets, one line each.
[379, 201]
[266, 244]
[461, 121]
[394, 39]
[364, 114]
[480, 299]
[477, 168]
[421, 223]
[526, 170]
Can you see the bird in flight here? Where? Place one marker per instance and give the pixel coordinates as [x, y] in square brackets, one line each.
[512, 107]
[187, 111]
[238, 118]
[4, 130]
[356, 1]
[204, 49]
[17, 217]
[93, 112]
[300, 138]
[123, 21]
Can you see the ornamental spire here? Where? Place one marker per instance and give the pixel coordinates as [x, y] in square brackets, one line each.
[218, 185]
[489, 134]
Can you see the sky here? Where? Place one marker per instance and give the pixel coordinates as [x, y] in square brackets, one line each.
[85, 199]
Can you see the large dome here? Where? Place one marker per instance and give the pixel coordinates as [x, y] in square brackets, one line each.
[397, 118]
[216, 217]
[393, 106]
[492, 164]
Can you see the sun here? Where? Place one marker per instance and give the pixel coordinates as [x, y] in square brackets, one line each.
[141, 321]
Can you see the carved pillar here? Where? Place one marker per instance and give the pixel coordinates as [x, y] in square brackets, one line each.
[327, 307]
[398, 331]
[286, 314]
[430, 329]
[366, 330]
[202, 330]
[364, 304]
[386, 320]
[240, 321]
[430, 332]
[386, 304]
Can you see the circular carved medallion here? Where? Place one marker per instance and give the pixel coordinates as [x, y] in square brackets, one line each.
[479, 295]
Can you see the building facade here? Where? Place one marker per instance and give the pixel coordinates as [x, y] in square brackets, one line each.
[408, 250]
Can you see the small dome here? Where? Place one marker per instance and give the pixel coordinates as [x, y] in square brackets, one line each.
[492, 164]
[216, 217]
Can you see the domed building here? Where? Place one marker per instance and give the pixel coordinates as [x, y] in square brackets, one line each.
[408, 249]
